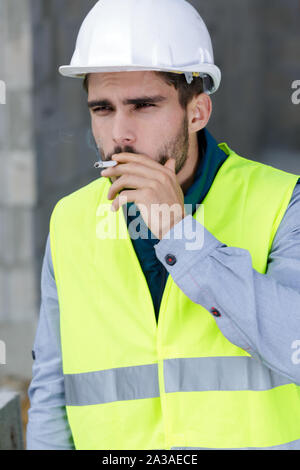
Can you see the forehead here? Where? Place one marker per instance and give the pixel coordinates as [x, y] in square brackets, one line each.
[127, 83]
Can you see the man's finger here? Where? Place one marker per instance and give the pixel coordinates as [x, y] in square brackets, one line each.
[127, 182]
[136, 158]
[134, 168]
[171, 164]
[125, 197]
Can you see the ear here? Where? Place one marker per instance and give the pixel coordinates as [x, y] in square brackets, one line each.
[199, 111]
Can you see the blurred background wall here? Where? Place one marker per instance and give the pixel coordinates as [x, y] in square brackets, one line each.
[46, 146]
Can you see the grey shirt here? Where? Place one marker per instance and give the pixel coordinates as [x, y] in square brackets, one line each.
[263, 317]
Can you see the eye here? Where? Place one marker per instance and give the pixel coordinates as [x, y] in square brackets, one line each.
[144, 105]
[100, 109]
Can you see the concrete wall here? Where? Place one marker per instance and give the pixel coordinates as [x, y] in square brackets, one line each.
[280, 33]
[18, 188]
[257, 46]
[234, 29]
[11, 436]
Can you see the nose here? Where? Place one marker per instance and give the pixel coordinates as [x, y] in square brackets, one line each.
[123, 132]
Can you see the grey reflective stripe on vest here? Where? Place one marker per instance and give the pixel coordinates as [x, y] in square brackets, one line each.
[180, 375]
[124, 383]
[219, 373]
[293, 445]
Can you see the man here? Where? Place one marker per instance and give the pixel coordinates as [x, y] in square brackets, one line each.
[126, 356]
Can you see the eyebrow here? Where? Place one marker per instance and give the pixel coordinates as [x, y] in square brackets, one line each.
[126, 102]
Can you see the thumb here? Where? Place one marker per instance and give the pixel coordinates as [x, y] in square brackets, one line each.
[171, 164]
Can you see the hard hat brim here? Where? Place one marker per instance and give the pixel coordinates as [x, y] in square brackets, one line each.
[79, 72]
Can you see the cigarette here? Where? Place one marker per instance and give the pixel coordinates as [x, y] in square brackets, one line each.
[105, 164]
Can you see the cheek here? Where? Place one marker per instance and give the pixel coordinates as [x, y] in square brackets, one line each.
[100, 133]
[166, 129]
[95, 129]
[164, 133]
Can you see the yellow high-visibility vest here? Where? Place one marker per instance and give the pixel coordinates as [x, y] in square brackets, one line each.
[133, 383]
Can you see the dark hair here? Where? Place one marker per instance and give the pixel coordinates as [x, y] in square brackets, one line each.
[186, 91]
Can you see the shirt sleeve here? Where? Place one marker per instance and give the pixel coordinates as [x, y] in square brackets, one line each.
[258, 312]
[48, 427]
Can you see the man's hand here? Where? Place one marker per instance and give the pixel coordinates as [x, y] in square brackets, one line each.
[155, 190]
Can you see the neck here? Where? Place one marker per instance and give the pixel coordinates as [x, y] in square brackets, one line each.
[187, 174]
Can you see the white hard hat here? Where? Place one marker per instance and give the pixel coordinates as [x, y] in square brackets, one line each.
[132, 35]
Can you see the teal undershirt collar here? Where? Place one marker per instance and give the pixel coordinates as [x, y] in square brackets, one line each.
[211, 157]
[207, 169]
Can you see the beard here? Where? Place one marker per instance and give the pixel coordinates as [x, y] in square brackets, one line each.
[176, 148]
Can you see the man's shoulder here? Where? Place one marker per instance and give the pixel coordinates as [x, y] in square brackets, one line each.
[77, 205]
[259, 169]
[86, 190]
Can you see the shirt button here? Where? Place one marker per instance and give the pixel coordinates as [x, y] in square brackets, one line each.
[170, 260]
[215, 312]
